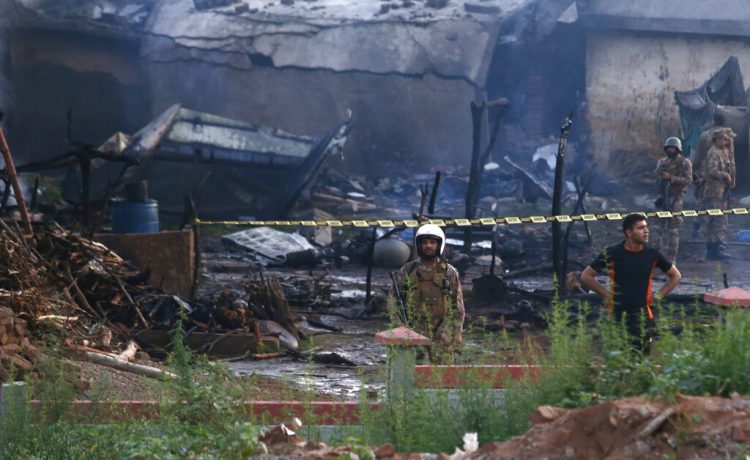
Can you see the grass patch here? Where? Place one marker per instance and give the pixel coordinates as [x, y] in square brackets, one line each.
[203, 415]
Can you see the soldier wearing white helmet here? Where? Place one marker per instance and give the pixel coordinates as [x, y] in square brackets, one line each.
[434, 298]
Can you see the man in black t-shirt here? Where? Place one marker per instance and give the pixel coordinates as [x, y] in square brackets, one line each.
[630, 266]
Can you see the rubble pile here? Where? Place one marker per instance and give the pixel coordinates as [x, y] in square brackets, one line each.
[17, 354]
[283, 441]
[692, 427]
[96, 284]
[60, 280]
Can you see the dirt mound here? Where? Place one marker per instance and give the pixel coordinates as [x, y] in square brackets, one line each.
[692, 427]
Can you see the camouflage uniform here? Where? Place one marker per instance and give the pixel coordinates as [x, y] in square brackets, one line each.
[699, 158]
[436, 306]
[718, 176]
[681, 171]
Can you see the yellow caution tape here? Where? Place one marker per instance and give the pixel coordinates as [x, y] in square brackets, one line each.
[461, 222]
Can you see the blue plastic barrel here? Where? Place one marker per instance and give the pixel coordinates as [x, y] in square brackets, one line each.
[135, 216]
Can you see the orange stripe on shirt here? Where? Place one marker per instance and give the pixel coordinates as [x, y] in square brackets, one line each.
[611, 300]
[648, 293]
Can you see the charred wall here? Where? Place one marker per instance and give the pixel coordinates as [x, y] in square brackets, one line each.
[545, 81]
[97, 78]
[6, 88]
[630, 82]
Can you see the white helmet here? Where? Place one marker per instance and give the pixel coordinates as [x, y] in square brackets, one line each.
[430, 231]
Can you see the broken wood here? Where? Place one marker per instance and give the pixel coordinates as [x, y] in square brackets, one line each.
[433, 194]
[656, 423]
[81, 296]
[137, 310]
[139, 369]
[422, 201]
[13, 179]
[478, 157]
[64, 319]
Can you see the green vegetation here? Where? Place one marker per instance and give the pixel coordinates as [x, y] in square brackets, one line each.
[202, 415]
[582, 364]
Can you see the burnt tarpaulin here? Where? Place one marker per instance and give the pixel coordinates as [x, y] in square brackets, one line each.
[697, 106]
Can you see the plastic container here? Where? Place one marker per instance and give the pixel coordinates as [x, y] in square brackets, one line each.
[135, 216]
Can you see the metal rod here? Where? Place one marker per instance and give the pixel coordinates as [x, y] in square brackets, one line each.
[370, 254]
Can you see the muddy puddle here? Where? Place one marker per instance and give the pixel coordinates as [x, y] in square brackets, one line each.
[356, 345]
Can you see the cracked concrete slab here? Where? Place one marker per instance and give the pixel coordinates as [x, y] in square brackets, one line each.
[333, 34]
[408, 73]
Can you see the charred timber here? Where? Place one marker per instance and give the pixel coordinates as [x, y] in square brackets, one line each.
[13, 179]
[479, 157]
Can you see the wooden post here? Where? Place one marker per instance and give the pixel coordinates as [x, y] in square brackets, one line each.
[477, 109]
[13, 178]
[370, 256]
[433, 195]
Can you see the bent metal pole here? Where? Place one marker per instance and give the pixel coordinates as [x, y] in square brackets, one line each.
[13, 178]
[557, 201]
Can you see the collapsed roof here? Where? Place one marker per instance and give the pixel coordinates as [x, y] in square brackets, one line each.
[450, 38]
[241, 164]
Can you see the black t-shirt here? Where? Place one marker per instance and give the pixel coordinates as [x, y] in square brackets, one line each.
[630, 273]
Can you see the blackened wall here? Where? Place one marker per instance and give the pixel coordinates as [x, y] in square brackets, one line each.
[97, 79]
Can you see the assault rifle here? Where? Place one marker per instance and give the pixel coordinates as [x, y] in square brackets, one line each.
[663, 203]
[400, 307]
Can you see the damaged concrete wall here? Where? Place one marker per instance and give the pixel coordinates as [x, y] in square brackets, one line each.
[97, 78]
[630, 84]
[408, 79]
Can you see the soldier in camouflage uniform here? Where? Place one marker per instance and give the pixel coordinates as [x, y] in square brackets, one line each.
[674, 174]
[434, 298]
[719, 177]
[699, 158]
